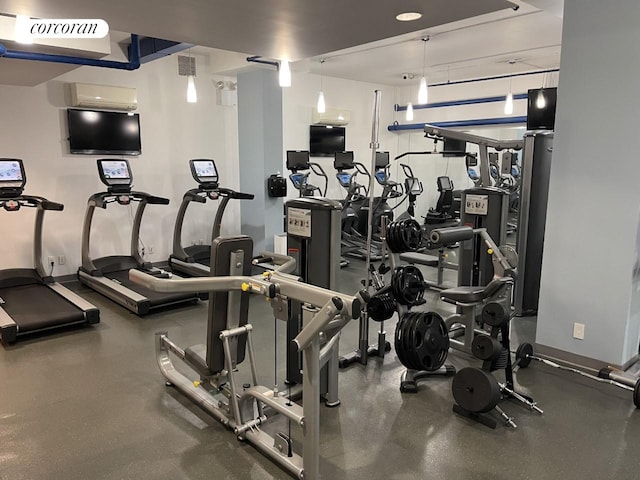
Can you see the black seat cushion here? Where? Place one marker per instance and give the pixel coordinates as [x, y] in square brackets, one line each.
[475, 294]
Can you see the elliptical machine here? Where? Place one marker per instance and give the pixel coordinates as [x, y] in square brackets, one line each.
[354, 242]
[297, 162]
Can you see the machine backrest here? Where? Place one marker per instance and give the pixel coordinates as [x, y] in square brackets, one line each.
[228, 309]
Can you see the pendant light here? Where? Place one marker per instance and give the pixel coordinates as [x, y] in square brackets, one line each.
[508, 105]
[192, 95]
[541, 101]
[187, 68]
[321, 105]
[409, 115]
[22, 30]
[284, 77]
[423, 92]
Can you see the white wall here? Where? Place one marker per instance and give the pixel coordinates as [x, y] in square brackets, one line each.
[357, 97]
[300, 100]
[33, 128]
[592, 217]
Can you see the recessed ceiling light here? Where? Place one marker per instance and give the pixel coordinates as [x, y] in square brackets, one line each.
[408, 16]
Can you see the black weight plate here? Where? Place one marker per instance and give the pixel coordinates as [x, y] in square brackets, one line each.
[495, 314]
[409, 342]
[523, 354]
[415, 340]
[431, 341]
[475, 390]
[399, 339]
[401, 342]
[636, 394]
[412, 233]
[485, 347]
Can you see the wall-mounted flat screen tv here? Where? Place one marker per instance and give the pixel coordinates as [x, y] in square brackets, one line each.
[94, 132]
[325, 141]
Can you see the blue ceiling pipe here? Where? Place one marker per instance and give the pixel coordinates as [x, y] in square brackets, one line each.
[132, 64]
[468, 101]
[459, 123]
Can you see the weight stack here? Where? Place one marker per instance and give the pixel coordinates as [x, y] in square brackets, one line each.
[485, 207]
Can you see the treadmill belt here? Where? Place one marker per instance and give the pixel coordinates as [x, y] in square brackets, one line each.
[36, 307]
[155, 298]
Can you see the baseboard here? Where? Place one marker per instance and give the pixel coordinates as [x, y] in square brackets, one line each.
[578, 361]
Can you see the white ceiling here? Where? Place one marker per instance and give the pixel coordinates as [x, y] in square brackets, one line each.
[468, 38]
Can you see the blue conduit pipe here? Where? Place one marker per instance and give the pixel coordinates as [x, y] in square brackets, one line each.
[459, 123]
[132, 64]
[455, 103]
[496, 77]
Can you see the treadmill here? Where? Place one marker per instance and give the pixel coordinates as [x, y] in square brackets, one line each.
[195, 260]
[30, 300]
[110, 275]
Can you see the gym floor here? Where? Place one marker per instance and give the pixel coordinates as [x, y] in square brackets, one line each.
[90, 403]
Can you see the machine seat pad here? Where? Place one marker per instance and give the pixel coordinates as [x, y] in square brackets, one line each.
[420, 259]
[196, 357]
[475, 294]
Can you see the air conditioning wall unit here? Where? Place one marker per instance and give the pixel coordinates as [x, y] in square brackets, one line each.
[332, 116]
[88, 95]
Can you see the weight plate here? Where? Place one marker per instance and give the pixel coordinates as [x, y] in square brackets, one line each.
[431, 341]
[475, 390]
[412, 359]
[485, 347]
[495, 314]
[401, 343]
[636, 394]
[399, 339]
[407, 285]
[524, 354]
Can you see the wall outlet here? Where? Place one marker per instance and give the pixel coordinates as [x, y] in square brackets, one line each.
[578, 331]
[62, 260]
[150, 249]
[51, 260]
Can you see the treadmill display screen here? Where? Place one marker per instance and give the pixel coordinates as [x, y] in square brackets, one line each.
[114, 172]
[204, 171]
[115, 169]
[10, 171]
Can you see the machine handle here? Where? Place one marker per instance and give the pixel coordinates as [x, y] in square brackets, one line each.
[47, 205]
[236, 195]
[446, 236]
[193, 196]
[242, 196]
[157, 200]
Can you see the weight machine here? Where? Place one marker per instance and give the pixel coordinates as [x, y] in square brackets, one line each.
[245, 410]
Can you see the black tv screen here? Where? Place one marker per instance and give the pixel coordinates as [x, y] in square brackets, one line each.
[541, 115]
[94, 132]
[325, 141]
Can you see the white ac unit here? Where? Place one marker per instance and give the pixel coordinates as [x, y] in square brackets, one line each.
[332, 116]
[103, 96]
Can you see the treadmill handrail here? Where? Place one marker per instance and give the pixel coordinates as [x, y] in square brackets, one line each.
[195, 194]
